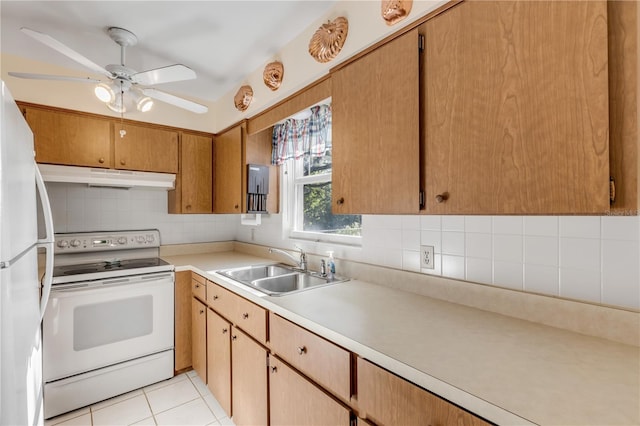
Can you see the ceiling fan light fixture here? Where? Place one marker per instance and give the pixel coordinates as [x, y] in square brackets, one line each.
[117, 105]
[104, 92]
[143, 103]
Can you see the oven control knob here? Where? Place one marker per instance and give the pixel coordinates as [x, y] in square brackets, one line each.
[122, 240]
[140, 239]
[150, 238]
[63, 244]
[75, 243]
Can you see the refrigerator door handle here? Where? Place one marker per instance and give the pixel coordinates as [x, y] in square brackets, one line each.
[47, 242]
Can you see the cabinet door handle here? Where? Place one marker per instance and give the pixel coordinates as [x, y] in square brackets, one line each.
[340, 201]
[123, 162]
[236, 206]
[101, 160]
[441, 198]
[302, 350]
[274, 369]
[245, 315]
[202, 311]
[234, 337]
[197, 285]
[215, 297]
[224, 331]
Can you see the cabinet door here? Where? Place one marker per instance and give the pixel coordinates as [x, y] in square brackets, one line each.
[70, 139]
[219, 359]
[516, 115]
[375, 104]
[249, 385]
[199, 338]
[228, 170]
[387, 399]
[193, 192]
[293, 400]
[146, 149]
[182, 330]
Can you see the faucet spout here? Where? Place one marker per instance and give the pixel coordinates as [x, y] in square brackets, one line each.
[302, 262]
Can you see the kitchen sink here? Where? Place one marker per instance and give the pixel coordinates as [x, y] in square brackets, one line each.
[278, 280]
[251, 273]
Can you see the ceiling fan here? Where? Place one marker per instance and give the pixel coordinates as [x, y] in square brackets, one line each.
[123, 80]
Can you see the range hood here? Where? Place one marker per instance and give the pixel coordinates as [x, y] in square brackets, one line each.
[107, 177]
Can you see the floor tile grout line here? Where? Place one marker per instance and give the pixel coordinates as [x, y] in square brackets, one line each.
[204, 400]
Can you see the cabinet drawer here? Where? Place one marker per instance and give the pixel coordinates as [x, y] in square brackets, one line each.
[246, 315]
[387, 399]
[319, 359]
[198, 287]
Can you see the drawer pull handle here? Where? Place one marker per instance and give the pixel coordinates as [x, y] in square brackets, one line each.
[302, 350]
[234, 337]
[274, 369]
[197, 285]
[224, 331]
[245, 315]
[340, 201]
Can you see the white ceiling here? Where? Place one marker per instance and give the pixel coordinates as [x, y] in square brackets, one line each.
[222, 41]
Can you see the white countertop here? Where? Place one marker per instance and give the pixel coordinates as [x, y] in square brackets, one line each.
[506, 370]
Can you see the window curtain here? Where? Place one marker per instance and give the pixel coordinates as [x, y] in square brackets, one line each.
[296, 138]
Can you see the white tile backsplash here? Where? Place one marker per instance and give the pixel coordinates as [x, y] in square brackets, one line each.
[590, 258]
[78, 208]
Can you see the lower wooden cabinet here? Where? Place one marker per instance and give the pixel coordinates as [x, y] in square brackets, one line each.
[199, 338]
[293, 400]
[387, 399]
[249, 389]
[182, 327]
[219, 359]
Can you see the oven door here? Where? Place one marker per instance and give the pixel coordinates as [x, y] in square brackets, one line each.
[95, 324]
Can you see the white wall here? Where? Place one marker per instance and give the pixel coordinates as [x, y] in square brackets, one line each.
[78, 208]
[589, 258]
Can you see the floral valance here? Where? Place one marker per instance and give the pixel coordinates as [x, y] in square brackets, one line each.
[310, 136]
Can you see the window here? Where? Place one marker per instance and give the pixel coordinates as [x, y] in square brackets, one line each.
[307, 179]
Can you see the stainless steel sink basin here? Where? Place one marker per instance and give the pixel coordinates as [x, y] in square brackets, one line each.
[278, 280]
[251, 273]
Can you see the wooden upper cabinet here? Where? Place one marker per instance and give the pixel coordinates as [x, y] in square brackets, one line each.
[194, 190]
[146, 149]
[70, 139]
[228, 170]
[375, 105]
[516, 109]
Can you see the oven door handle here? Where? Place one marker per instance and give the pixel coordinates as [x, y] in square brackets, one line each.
[80, 287]
[46, 242]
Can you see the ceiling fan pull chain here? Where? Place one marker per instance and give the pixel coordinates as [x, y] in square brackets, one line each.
[122, 130]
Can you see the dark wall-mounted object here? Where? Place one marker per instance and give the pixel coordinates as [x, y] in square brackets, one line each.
[257, 188]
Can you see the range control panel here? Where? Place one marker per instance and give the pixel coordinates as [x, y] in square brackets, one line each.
[106, 241]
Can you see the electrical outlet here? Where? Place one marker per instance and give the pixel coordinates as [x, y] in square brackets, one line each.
[427, 260]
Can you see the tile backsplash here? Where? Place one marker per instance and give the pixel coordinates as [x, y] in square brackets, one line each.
[589, 258]
[77, 208]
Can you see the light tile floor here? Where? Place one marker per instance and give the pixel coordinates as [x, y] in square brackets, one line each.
[182, 400]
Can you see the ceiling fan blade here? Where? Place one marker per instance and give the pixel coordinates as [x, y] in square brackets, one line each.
[52, 77]
[175, 100]
[68, 52]
[167, 74]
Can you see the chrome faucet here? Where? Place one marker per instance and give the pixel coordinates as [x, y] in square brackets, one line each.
[302, 262]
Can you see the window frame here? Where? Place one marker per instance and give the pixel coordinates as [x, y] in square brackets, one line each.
[293, 190]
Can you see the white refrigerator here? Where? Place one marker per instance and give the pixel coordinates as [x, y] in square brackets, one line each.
[22, 297]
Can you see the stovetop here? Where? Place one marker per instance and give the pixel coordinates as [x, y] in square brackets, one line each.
[88, 256]
[116, 265]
